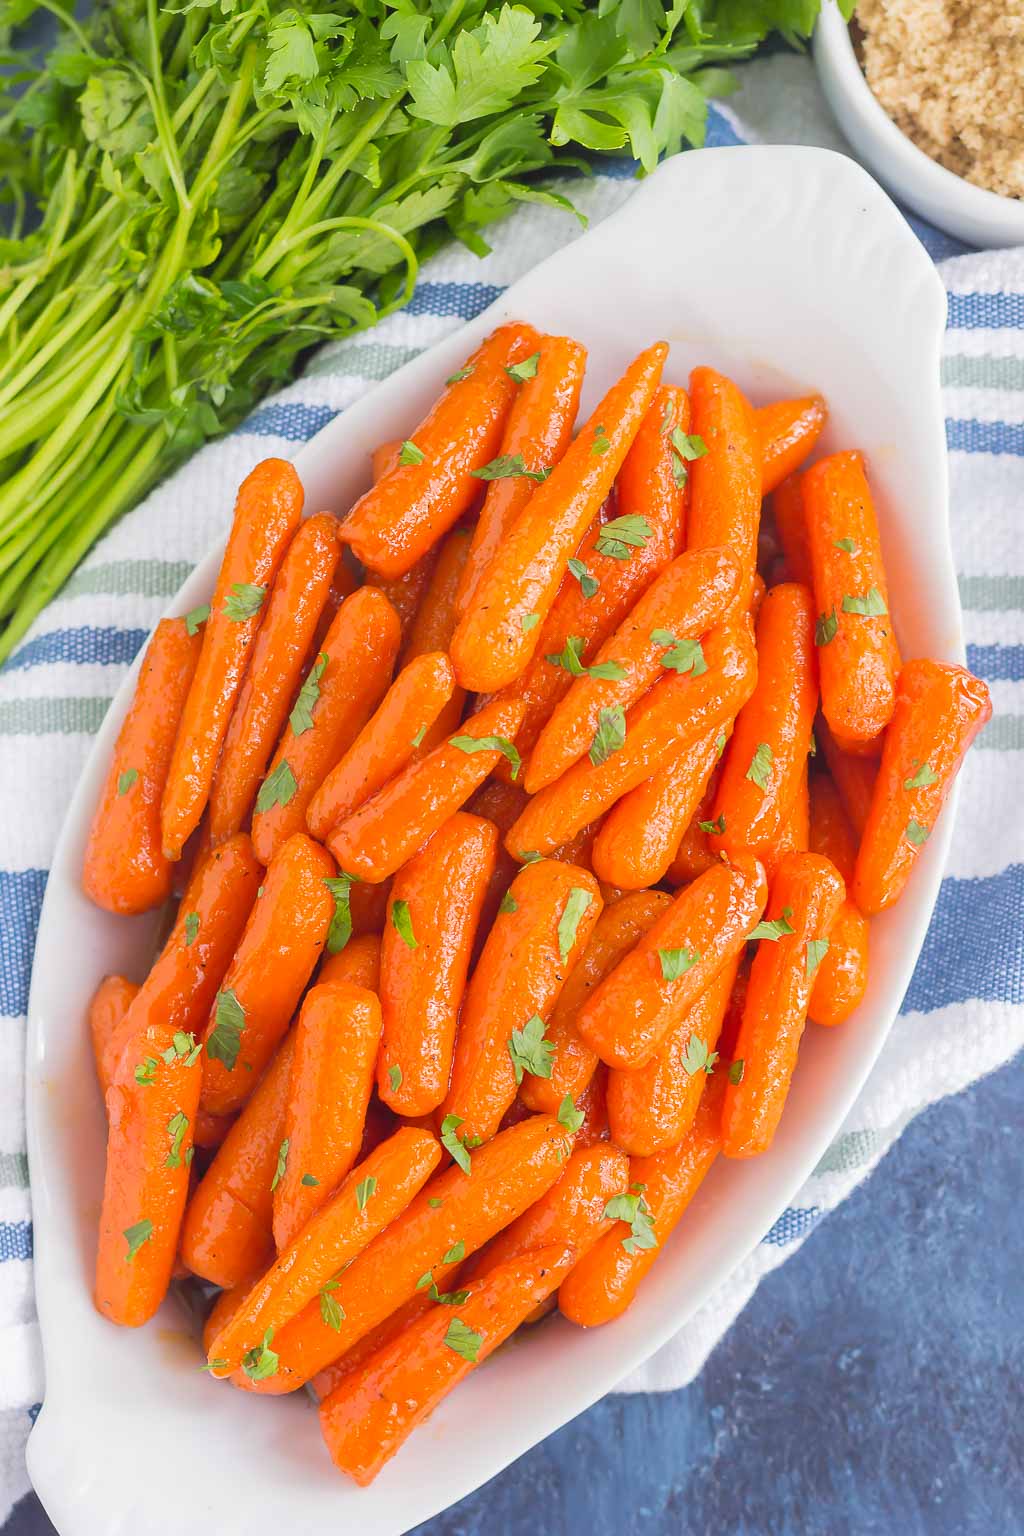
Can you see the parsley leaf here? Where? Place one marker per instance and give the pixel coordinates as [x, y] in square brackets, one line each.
[527, 369]
[310, 1181]
[451, 1142]
[676, 962]
[697, 1057]
[774, 928]
[282, 1164]
[340, 931]
[191, 928]
[457, 378]
[447, 1298]
[126, 780]
[916, 834]
[682, 655]
[177, 1125]
[622, 535]
[610, 735]
[434, 1203]
[569, 660]
[509, 466]
[634, 1210]
[921, 778]
[395, 1077]
[301, 717]
[689, 448]
[817, 949]
[456, 1253]
[364, 1189]
[871, 605]
[569, 1116]
[278, 788]
[588, 584]
[600, 443]
[332, 1312]
[244, 601]
[417, 740]
[529, 621]
[713, 828]
[508, 904]
[736, 1071]
[846, 545]
[138, 1233]
[197, 616]
[530, 1050]
[260, 1362]
[145, 1072]
[720, 743]
[229, 1021]
[401, 922]
[183, 1044]
[410, 454]
[489, 744]
[578, 902]
[826, 628]
[463, 1340]
[530, 856]
[760, 768]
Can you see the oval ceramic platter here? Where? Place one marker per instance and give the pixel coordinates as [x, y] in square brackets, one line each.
[789, 269]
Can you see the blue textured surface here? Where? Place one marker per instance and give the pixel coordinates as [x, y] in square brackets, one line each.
[874, 1386]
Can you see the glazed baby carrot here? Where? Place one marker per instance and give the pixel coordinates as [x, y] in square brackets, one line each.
[679, 710]
[226, 1303]
[787, 431]
[368, 905]
[282, 942]
[940, 708]
[358, 963]
[182, 983]
[630, 1012]
[373, 1195]
[573, 1063]
[538, 937]
[498, 633]
[653, 1108]
[373, 1411]
[572, 1211]
[842, 977]
[764, 761]
[454, 1212]
[405, 592]
[791, 526]
[267, 513]
[337, 698]
[806, 895]
[434, 623]
[831, 831]
[107, 1007]
[794, 833]
[381, 835]
[386, 742]
[537, 433]
[725, 480]
[640, 836]
[856, 644]
[297, 600]
[125, 869]
[325, 1381]
[384, 458]
[694, 855]
[151, 1108]
[854, 777]
[414, 504]
[593, 1105]
[336, 1040]
[660, 633]
[607, 575]
[435, 907]
[226, 1236]
[605, 1281]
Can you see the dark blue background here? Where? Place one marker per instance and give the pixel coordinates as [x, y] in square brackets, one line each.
[873, 1387]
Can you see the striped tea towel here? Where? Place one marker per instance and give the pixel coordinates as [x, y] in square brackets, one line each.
[964, 1014]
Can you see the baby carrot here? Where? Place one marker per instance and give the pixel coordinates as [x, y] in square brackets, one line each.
[678, 711]
[378, 838]
[386, 742]
[384, 458]
[184, 979]
[537, 432]
[593, 1106]
[831, 831]
[226, 1236]
[537, 939]
[856, 645]
[793, 835]
[725, 481]
[787, 431]
[453, 1212]
[434, 623]
[151, 1108]
[651, 486]
[405, 592]
[605, 1281]
[373, 1195]
[693, 855]
[282, 942]
[337, 698]
[226, 1303]
[659, 634]
[791, 526]
[358, 963]
[267, 513]
[640, 836]
[107, 1007]
[940, 709]
[492, 644]
[373, 1410]
[654, 1107]
[854, 777]
[336, 1040]
[297, 599]
[573, 1063]
[806, 895]
[767, 755]
[414, 504]
[325, 1381]
[435, 907]
[842, 977]
[630, 1012]
[125, 869]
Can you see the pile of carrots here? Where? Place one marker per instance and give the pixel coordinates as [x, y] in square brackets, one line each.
[517, 828]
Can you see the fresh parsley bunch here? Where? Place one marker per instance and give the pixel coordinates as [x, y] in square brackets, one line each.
[198, 193]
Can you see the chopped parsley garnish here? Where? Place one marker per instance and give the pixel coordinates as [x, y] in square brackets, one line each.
[569, 1116]
[622, 535]
[282, 1164]
[508, 904]
[229, 1022]
[736, 1071]
[509, 466]
[634, 1210]
[244, 601]
[260, 1362]
[278, 788]
[921, 778]
[588, 584]
[529, 621]
[395, 1077]
[191, 927]
[774, 928]
[601, 443]
[301, 717]
[331, 1311]
[682, 655]
[410, 454]
[760, 766]
[197, 616]
[126, 780]
[916, 834]
[871, 605]
[530, 1050]
[401, 922]
[817, 949]
[697, 1057]
[177, 1125]
[450, 1141]
[527, 369]
[138, 1233]
[578, 902]
[713, 828]
[463, 1340]
[826, 628]
[610, 735]
[489, 744]
[364, 1189]
[340, 931]
[676, 962]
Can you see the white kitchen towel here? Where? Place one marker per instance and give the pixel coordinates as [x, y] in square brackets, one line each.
[964, 1014]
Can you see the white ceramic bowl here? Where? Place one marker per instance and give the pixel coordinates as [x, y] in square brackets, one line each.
[790, 269]
[972, 213]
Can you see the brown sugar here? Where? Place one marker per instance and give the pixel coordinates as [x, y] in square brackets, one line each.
[950, 73]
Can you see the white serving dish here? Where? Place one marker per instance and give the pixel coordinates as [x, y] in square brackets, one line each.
[790, 269]
[973, 214]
